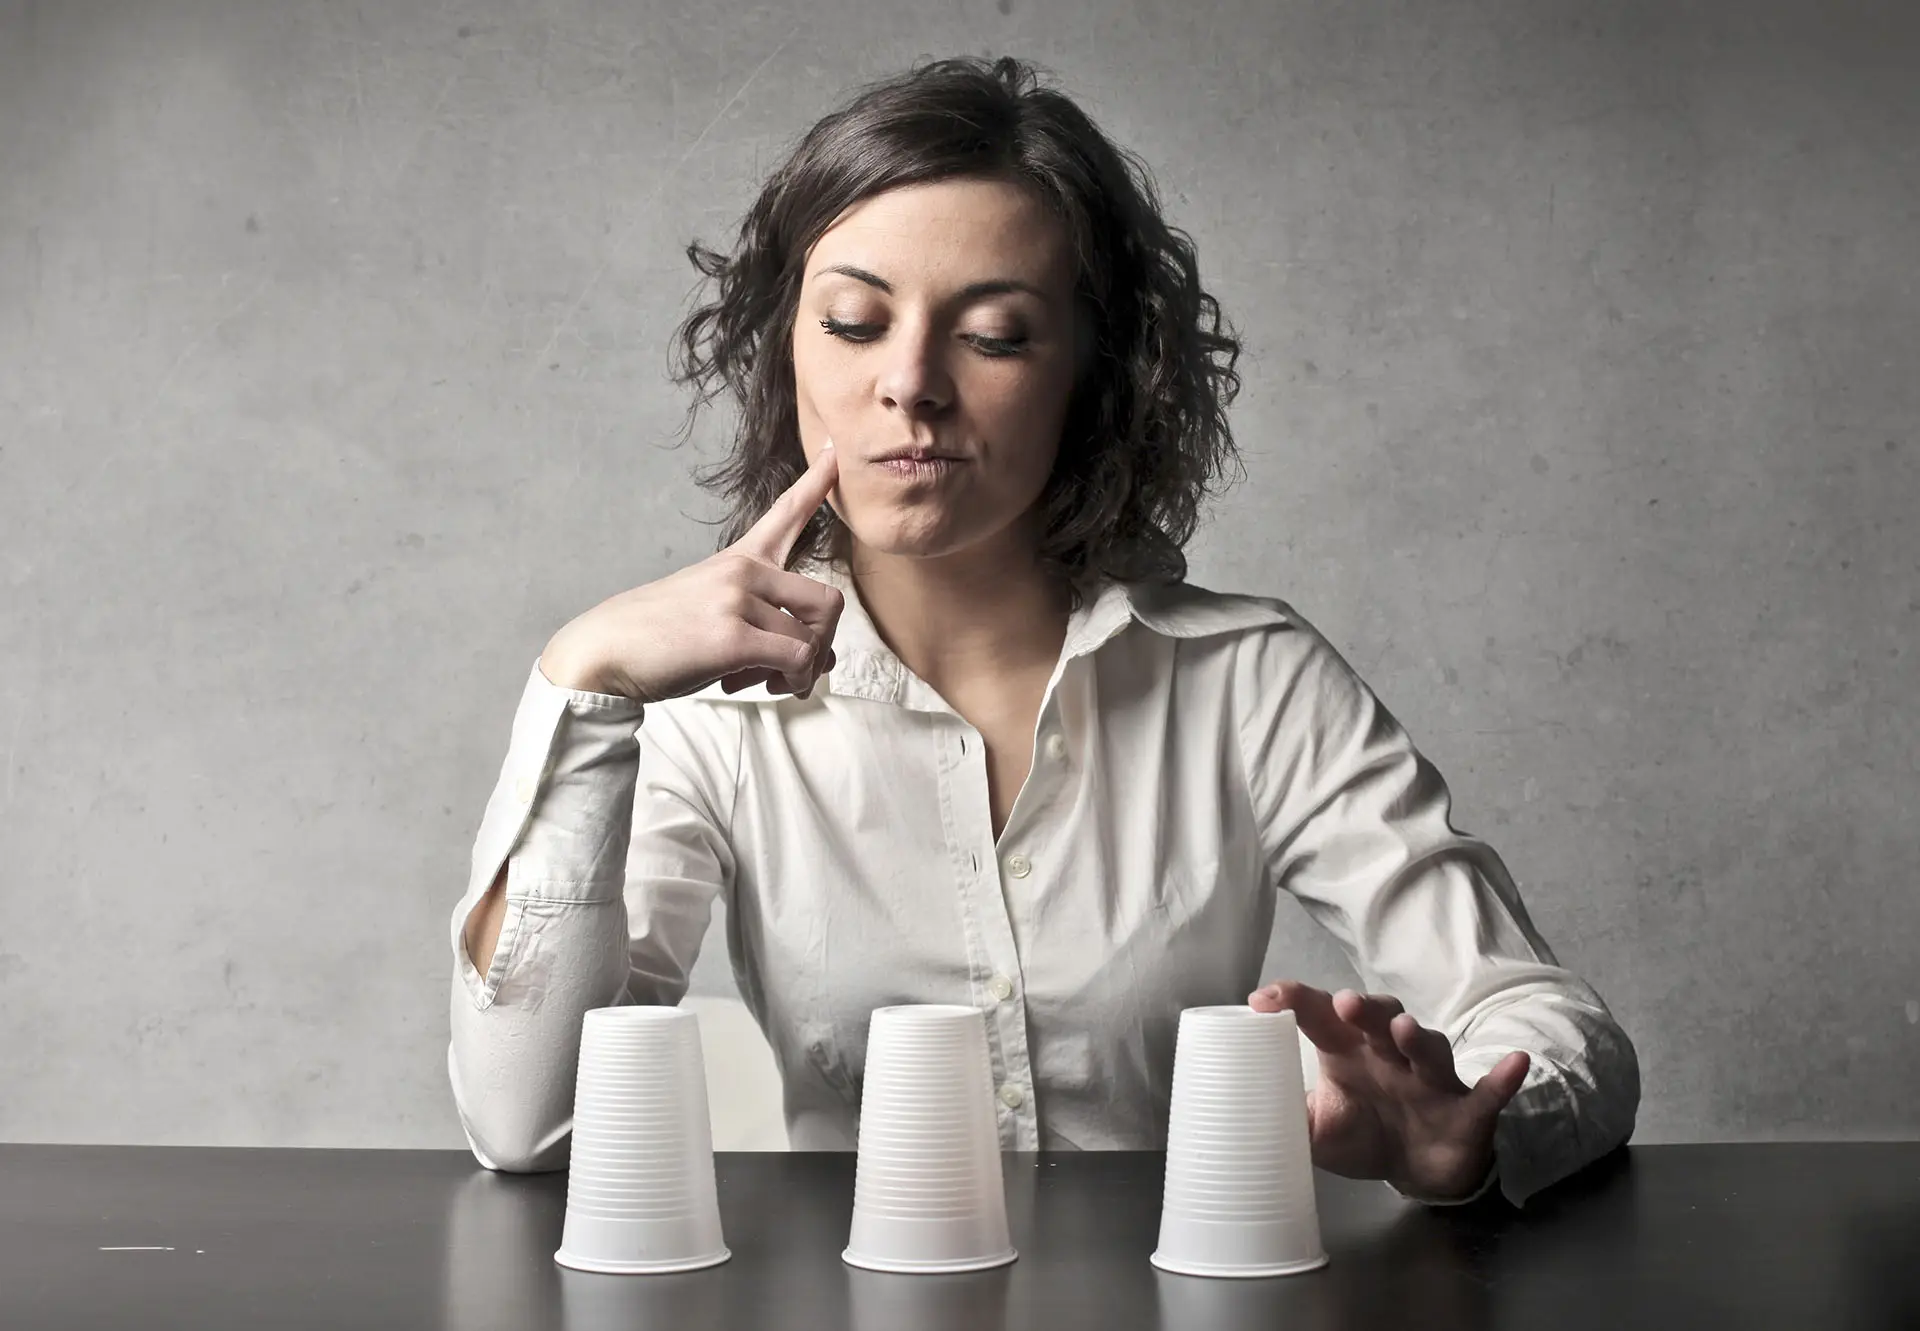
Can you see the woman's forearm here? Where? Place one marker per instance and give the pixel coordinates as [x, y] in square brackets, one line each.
[540, 936]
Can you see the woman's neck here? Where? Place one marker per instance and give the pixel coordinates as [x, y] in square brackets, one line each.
[965, 617]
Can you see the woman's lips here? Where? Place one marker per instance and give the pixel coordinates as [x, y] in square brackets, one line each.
[918, 466]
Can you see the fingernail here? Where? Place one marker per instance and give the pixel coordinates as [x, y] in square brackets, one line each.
[826, 448]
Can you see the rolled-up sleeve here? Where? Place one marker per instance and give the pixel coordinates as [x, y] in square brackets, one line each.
[1356, 825]
[562, 820]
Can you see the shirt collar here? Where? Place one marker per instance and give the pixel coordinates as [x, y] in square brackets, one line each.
[865, 667]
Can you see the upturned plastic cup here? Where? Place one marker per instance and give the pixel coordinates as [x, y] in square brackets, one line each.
[1239, 1189]
[640, 1190]
[927, 1192]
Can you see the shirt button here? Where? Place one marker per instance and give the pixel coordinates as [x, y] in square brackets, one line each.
[1001, 988]
[1056, 746]
[1019, 865]
[525, 789]
[1010, 1096]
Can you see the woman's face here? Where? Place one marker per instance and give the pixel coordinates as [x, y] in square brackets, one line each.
[934, 346]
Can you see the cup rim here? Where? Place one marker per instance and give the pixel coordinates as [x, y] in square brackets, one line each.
[1288, 1266]
[935, 1266]
[928, 1011]
[614, 1266]
[1235, 1010]
[632, 1013]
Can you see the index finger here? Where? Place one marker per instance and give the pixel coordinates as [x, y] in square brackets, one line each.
[1314, 1012]
[772, 537]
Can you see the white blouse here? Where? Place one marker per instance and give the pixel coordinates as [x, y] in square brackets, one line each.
[1195, 753]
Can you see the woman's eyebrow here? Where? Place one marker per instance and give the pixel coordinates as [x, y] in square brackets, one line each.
[998, 286]
[862, 275]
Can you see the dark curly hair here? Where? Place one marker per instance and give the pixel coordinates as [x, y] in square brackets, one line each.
[1146, 435]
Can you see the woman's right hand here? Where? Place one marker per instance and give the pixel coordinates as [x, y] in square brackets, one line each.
[738, 617]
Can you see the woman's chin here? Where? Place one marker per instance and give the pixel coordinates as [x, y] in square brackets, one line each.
[906, 536]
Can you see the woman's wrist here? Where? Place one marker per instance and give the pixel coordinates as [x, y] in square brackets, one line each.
[1455, 1196]
[568, 665]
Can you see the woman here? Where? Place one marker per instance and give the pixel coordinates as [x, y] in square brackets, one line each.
[942, 721]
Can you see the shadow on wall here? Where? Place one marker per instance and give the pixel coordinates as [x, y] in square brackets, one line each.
[743, 1083]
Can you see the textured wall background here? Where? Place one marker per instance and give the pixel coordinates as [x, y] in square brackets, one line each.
[1582, 378]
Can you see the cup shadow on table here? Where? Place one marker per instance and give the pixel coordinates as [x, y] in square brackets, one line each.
[500, 1271]
[1399, 1264]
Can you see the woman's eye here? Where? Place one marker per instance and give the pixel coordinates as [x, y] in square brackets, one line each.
[998, 346]
[987, 346]
[850, 332]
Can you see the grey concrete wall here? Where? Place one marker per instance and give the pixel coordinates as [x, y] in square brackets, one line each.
[1582, 378]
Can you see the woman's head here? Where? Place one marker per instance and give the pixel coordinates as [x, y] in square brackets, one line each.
[958, 262]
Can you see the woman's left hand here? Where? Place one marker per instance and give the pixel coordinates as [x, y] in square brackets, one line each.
[1389, 1104]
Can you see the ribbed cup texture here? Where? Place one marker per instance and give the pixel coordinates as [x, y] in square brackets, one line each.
[927, 1190]
[1239, 1186]
[640, 1186]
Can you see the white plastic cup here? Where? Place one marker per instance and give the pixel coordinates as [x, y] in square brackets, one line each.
[1239, 1190]
[640, 1190]
[927, 1192]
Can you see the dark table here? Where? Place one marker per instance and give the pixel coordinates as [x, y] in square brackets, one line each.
[1809, 1237]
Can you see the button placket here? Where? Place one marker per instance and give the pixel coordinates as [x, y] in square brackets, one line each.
[992, 955]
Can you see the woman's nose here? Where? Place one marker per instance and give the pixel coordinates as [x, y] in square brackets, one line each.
[915, 378]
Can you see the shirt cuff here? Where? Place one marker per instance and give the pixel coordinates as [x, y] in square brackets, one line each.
[570, 774]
